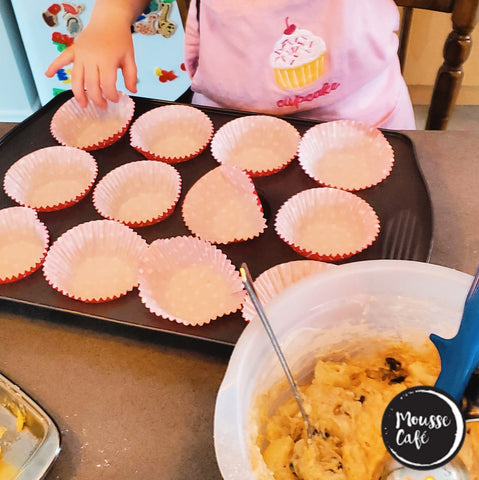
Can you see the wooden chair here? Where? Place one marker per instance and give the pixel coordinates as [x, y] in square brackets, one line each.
[464, 14]
[457, 47]
[183, 6]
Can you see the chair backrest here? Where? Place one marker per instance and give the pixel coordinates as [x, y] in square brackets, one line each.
[183, 6]
[457, 47]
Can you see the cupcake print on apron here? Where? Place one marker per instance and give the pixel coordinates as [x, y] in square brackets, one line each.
[298, 58]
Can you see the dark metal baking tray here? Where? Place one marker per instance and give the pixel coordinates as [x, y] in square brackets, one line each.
[403, 191]
[28, 452]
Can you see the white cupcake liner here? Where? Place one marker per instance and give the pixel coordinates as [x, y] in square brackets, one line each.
[327, 224]
[258, 144]
[223, 207]
[276, 279]
[23, 243]
[138, 193]
[92, 128]
[346, 154]
[51, 178]
[95, 261]
[189, 281]
[171, 133]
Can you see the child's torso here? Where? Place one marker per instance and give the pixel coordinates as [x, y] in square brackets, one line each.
[281, 56]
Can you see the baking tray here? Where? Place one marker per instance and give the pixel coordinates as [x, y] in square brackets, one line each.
[29, 453]
[403, 194]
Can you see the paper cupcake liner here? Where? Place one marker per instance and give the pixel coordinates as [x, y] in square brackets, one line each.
[223, 207]
[258, 144]
[138, 193]
[171, 133]
[51, 178]
[189, 281]
[92, 128]
[95, 261]
[276, 279]
[23, 243]
[346, 154]
[327, 224]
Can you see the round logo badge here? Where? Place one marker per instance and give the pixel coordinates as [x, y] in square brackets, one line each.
[423, 428]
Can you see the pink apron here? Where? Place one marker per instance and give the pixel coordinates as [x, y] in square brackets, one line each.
[323, 60]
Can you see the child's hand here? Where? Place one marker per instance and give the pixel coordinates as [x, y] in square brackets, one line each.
[97, 54]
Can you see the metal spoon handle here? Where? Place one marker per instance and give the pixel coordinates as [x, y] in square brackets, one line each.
[248, 283]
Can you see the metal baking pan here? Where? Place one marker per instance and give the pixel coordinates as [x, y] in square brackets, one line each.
[401, 201]
[27, 452]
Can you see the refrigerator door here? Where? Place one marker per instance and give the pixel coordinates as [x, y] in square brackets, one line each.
[18, 97]
[158, 36]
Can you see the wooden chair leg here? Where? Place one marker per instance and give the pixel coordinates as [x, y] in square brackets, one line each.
[449, 78]
[404, 35]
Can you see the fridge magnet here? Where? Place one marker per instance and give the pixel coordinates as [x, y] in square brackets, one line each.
[63, 75]
[72, 9]
[165, 75]
[61, 41]
[50, 15]
[166, 27]
[57, 91]
[155, 19]
[73, 22]
[147, 26]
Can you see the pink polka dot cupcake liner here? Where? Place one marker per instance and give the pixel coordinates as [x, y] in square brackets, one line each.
[138, 193]
[92, 128]
[51, 178]
[276, 279]
[95, 261]
[258, 144]
[189, 281]
[223, 207]
[346, 154]
[327, 224]
[171, 133]
[23, 243]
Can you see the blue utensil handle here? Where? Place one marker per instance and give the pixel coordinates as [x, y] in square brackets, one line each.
[460, 354]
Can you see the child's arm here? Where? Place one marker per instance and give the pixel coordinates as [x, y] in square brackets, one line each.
[104, 46]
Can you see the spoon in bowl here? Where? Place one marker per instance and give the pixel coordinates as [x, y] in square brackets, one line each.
[459, 358]
[248, 283]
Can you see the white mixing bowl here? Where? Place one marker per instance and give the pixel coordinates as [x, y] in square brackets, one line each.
[400, 299]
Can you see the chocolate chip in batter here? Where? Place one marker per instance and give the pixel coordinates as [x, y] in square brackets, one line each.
[399, 379]
[394, 365]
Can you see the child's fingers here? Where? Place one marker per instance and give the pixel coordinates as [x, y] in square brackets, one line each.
[63, 59]
[78, 84]
[130, 73]
[93, 87]
[107, 81]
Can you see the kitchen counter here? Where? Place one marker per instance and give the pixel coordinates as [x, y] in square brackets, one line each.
[139, 404]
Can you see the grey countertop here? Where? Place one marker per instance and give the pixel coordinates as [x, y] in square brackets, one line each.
[139, 404]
